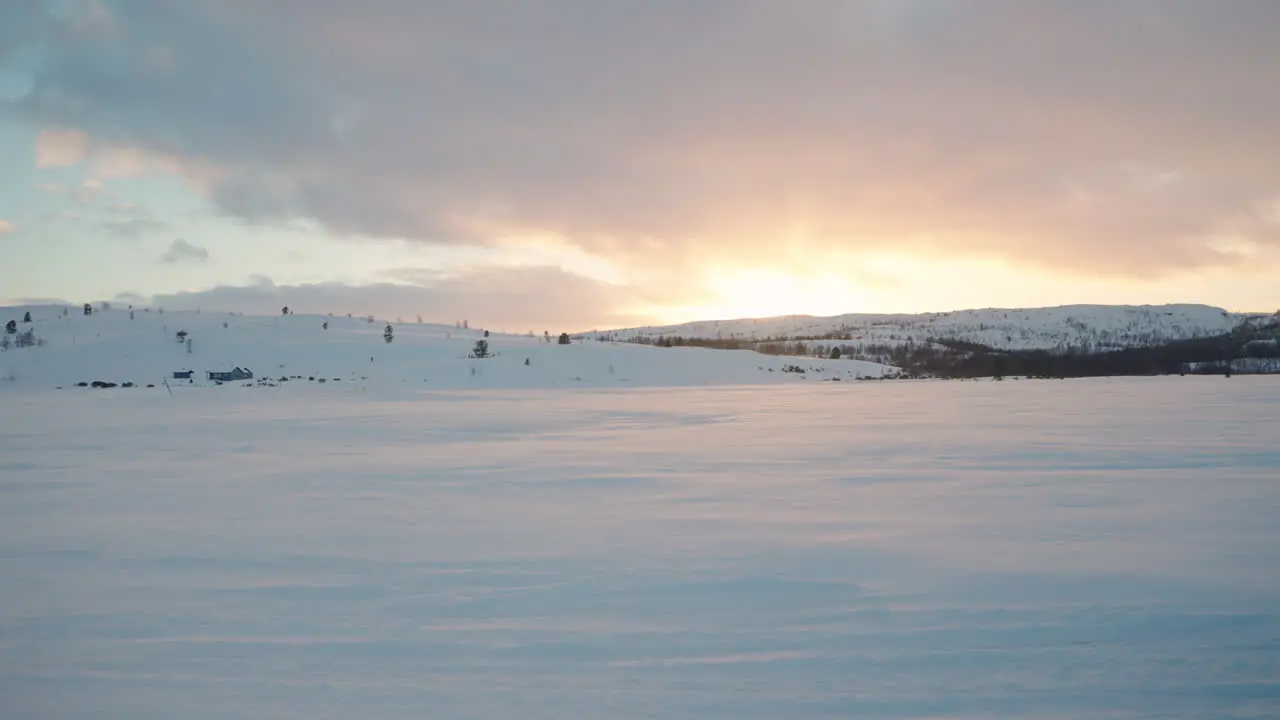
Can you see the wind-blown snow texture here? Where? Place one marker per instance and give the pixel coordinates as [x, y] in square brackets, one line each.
[1053, 549]
[1098, 327]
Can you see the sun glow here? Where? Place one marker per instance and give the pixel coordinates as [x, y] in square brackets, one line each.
[763, 292]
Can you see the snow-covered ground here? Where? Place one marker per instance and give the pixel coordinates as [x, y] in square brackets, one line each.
[111, 347]
[1050, 549]
[1098, 327]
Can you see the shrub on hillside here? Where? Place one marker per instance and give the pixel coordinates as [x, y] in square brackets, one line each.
[28, 339]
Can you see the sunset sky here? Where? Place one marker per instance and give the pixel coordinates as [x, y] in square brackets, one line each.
[598, 163]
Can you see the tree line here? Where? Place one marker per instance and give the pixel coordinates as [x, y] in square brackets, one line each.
[956, 358]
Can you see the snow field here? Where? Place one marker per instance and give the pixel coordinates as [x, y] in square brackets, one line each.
[111, 347]
[1088, 548]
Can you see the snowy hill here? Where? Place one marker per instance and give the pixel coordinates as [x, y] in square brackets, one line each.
[1093, 327]
[112, 346]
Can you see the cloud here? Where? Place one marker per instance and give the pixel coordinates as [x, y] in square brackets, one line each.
[135, 227]
[7, 227]
[60, 148]
[35, 301]
[54, 216]
[128, 210]
[675, 134]
[511, 299]
[86, 193]
[183, 251]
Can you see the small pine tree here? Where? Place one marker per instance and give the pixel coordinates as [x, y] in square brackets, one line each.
[26, 318]
[88, 309]
[564, 339]
[481, 350]
[486, 333]
[11, 327]
[388, 334]
[284, 310]
[326, 325]
[835, 352]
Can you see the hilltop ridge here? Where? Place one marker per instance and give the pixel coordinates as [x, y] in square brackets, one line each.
[1088, 327]
[142, 346]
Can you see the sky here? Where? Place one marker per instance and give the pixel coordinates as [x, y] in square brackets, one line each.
[546, 164]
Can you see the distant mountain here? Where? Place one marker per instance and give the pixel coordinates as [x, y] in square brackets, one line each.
[1080, 328]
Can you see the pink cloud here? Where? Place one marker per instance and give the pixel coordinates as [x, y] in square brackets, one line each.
[61, 148]
[126, 161]
[110, 160]
[7, 227]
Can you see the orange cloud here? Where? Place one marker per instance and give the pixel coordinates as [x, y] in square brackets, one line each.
[61, 148]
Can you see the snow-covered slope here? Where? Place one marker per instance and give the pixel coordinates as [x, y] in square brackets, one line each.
[1097, 327]
[111, 347]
